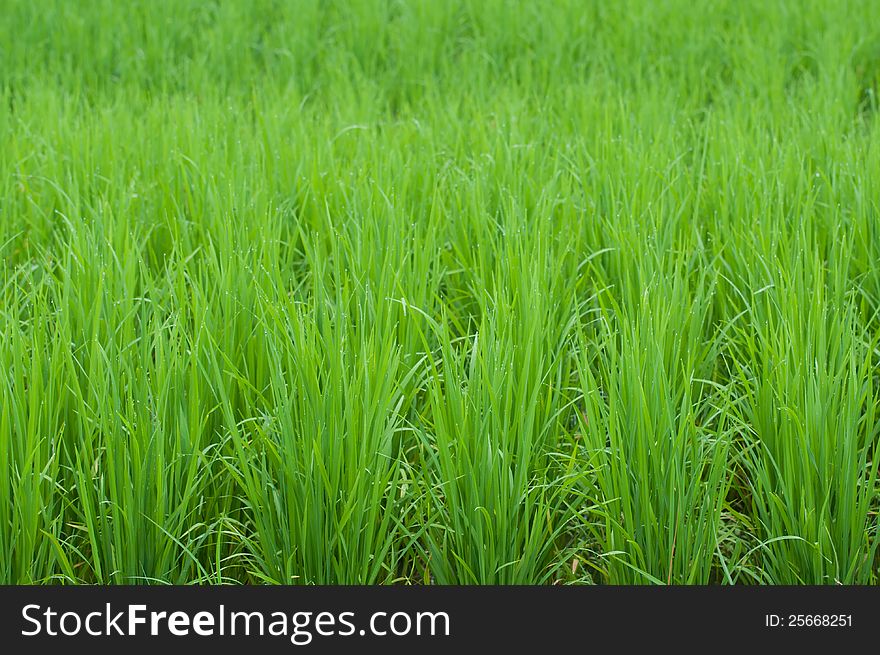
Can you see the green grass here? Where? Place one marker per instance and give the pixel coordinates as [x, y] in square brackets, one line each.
[469, 292]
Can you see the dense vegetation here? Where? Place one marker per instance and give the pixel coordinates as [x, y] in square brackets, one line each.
[439, 292]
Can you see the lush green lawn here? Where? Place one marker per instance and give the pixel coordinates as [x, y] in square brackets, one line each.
[439, 292]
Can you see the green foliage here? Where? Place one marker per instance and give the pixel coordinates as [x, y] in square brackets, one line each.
[404, 291]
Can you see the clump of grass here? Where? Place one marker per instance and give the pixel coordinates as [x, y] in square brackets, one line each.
[657, 425]
[809, 400]
[496, 492]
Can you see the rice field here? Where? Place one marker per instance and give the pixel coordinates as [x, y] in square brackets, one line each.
[461, 292]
